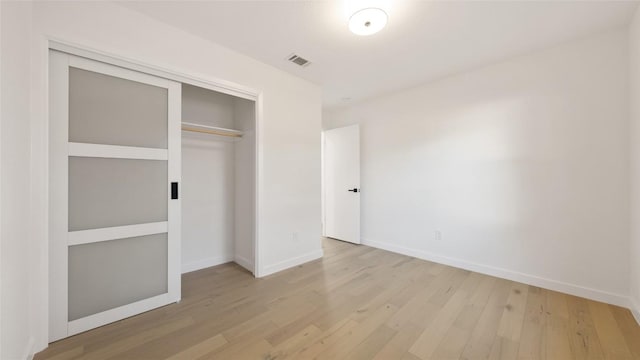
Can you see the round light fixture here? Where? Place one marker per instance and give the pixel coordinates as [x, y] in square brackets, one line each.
[367, 21]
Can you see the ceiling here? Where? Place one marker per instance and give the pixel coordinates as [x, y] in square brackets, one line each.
[423, 41]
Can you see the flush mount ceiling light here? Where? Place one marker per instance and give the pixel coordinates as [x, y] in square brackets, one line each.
[367, 21]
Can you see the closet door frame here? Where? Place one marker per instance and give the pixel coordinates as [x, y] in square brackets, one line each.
[60, 238]
[43, 127]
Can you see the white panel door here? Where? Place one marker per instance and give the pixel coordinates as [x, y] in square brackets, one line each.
[114, 193]
[341, 154]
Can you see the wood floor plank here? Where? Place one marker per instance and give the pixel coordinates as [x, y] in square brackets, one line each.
[533, 338]
[335, 309]
[73, 353]
[258, 349]
[459, 334]
[583, 336]
[359, 333]
[472, 311]
[296, 342]
[399, 344]
[504, 348]
[328, 340]
[556, 332]
[452, 344]
[361, 303]
[433, 334]
[201, 348]
[135, 340]
[630, 329]
[484, 333]
[368, 348]
[419, 310]
[610, 335]
[251, 343]
[513, 315]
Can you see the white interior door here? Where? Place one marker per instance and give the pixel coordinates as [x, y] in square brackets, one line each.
[114, 186]
[341, 154]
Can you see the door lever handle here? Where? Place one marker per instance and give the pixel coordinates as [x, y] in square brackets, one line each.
[353, 190]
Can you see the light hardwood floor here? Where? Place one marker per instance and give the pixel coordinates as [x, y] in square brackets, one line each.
[362, 303]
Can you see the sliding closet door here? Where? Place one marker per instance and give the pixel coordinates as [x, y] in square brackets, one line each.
[115, 212]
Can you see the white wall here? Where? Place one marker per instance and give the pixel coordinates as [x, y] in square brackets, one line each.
[522, 166]
[208, 181]
[245, 158]
[17, 331]
[288, 135]
[634, 76]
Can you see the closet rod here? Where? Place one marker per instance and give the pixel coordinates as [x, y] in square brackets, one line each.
[210, 130]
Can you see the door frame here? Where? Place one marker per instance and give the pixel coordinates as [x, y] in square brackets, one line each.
[42, 128]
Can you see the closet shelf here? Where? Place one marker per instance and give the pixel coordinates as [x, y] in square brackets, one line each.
[187, 126]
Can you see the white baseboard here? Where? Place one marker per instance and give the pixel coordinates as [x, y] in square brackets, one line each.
[205, 263]
[283, 265]
[634, 306]
[244, 262]
[573, 289]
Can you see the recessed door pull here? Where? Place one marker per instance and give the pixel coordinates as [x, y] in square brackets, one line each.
[174, 191]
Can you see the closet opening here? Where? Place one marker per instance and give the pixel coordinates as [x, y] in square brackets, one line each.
[218, 179]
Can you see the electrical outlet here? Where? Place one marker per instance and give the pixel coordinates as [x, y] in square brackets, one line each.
[294, 237]
[438, 235]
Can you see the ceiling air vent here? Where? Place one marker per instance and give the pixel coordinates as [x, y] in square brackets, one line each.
[298, 60]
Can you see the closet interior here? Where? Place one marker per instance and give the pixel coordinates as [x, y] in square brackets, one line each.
[218, 179]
